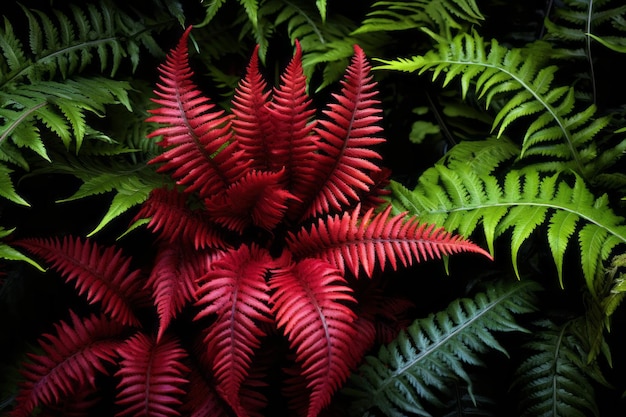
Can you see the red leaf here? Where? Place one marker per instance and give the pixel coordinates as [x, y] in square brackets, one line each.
[152, 377]
[309, 302]
[71, 358]
[200, 154]
[175, 221]
[374, 239]
[235, 290]
[257, 198]
[294, 144]
[102, 274]
[347, 162]
[252, 123]
[173, 281]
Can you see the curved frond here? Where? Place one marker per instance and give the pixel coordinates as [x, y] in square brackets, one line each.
[356, 241]
[199, 152]
[413, 369]
[459, 199]
[236, 291]
[70, 360]
[309, 303]
[347, 160]
[554, 380]
[175, 221]
[59, 106]
[152, 377]
[258, 198]
[172, 282]
[102, 274]
[293, 144]
[557, 129]
[439, 15]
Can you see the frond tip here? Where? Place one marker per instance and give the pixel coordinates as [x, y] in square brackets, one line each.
[353, 241]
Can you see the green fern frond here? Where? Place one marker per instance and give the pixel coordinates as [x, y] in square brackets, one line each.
[555, 381]
[65, 45]
[438, 15]
[556, 130]
[59, 106]
[9, 253]
[417, 367]
[459, 199]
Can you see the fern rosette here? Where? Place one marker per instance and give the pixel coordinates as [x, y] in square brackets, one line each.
[273, 216]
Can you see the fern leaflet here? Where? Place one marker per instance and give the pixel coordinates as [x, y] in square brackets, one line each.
[556, 130]
[413, 367]
[460, 199]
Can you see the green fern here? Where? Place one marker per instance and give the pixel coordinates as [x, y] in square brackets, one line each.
[418, 366]
[460, 199]
[439, 15]
[9, 253]
[556, 380]
[556, 131]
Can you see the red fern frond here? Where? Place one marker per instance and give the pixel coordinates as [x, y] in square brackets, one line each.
[202, 400]
[252, 123]
[309, 302]
[294, 145]
[200, 154]
[359, 242]
[71, 359]
[101, 274]
[346, 162]
[235, 289]
[152, 377]
[258, 198]
[174, 221]
[173, 281]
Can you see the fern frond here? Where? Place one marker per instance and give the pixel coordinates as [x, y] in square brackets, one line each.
[60, 107]
[9, 253]
[151, 377]
[308, 301]
[556, 129]
[66, 44]
[439, 15]
[196, 136]
[174, 220]
[70, 360]
[459, 200]
[101, 274]
[555, 379]
[346, 161]
[235, 289]
[411, 371]
[357, 240]
[173, 282]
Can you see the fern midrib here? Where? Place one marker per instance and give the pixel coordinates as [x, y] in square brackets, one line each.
[434, 347]
[83, 45]
[548, 107]
[25, 115]
[588, 218]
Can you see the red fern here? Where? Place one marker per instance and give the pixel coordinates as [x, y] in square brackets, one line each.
[235, 289]
[309, 301]
[70, 360]
[173, 282]
[152, 377]
[365, 241]
[102, 275]
[274, 211]
[192, 136]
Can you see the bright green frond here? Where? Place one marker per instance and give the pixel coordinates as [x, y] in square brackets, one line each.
[460, 199]
[413, 370]
[439, 15]
[521, 83]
